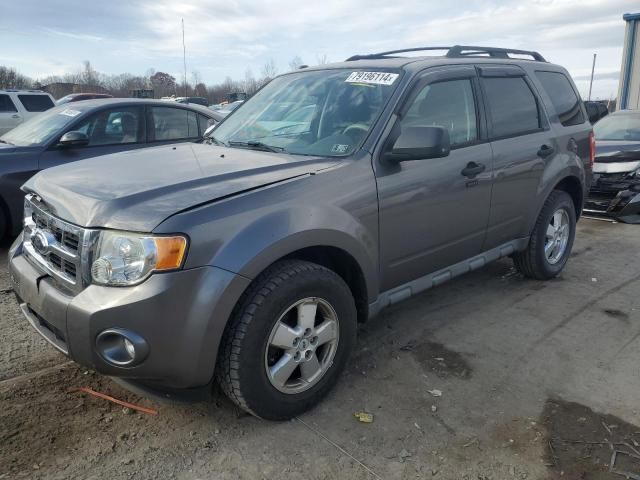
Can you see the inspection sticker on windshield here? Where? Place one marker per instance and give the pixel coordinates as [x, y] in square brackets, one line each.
[375, 78]
[70, 113]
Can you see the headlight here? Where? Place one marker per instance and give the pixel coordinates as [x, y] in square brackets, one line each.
[123, 258]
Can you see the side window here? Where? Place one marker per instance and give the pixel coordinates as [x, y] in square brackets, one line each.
[173, 123]
[446, 104]
[205, 123]
[36, 103]
[512, 106]
[114, 127]
[563, 97]
[6, 105]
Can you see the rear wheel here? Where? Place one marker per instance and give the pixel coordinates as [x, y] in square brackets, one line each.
[551, 240]
[288, 340]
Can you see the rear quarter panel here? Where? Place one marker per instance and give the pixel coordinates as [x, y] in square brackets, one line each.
[571, 144]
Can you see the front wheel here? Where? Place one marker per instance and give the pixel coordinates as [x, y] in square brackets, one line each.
[551, 240]
[288, 340]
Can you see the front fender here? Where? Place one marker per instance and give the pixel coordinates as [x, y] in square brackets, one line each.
[247, 233]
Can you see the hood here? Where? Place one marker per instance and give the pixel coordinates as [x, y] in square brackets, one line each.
[137, 190]
[617, 151]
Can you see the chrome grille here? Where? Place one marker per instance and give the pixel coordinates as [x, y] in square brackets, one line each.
[55, 246]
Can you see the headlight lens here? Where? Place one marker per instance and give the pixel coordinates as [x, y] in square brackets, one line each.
[124, 258]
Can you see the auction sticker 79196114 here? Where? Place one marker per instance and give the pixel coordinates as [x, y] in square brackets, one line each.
[375, 78]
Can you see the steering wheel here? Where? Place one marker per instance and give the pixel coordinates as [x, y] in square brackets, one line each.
[356, 127]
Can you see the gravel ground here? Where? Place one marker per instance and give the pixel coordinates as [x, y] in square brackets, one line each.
[537, 380]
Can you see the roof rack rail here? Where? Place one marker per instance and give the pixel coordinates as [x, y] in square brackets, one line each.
[457, 51]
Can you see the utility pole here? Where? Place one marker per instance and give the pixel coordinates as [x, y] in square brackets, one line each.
[593, 68]
[184, 61]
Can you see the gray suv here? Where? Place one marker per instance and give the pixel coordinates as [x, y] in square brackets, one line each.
[335, 191]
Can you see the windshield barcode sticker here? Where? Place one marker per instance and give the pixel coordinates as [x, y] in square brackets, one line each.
[375, 78]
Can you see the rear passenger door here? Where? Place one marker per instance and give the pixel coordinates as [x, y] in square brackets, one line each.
[434, 212]
[522, 145]
[172, 125]
[9, 116]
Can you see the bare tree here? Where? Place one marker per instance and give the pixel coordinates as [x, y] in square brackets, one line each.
[295, 63]
[322, 59]
[163, 84]
[10, 78]
[88, 75]
[269, 70]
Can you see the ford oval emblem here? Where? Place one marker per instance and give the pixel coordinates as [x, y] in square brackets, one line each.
[40, 242]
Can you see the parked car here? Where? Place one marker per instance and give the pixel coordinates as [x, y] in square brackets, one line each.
[77, 97]
[227, 108]
[249, 258]
[596, 110]
[68, 133]
[197, 100]
[615, 191]
[18, 106]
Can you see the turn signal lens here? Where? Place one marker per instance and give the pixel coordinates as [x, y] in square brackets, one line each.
[169, 252]
[592, 149]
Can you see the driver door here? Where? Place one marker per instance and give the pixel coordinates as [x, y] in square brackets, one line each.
[434, 212]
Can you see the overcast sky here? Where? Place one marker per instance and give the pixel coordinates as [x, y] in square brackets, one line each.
[227, 37]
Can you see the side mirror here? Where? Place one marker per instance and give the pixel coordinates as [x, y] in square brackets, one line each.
[73, 139]
[419, 143]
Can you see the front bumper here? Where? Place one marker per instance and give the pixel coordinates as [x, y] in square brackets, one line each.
[181, 315]
[614, 196]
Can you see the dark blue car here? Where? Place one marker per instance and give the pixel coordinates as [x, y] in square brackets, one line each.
[87, 129]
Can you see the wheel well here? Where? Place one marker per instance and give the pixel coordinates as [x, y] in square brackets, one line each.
[8, 224]
[344, 265]
[573, 187]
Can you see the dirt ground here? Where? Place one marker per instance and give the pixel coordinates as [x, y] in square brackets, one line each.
[490, 376]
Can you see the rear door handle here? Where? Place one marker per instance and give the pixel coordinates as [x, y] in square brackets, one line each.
[545, 151]
[472, 169]
[15, 115]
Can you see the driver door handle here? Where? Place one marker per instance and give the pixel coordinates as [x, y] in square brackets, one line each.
[472, 169]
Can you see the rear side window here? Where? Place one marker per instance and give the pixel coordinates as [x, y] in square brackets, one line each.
[6, 105]
[563, 97]
[36, 103]
[512, 106]
[174, 123]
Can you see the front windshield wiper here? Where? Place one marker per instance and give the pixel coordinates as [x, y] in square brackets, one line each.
[211, 139]
[4, 141]
[258, 146]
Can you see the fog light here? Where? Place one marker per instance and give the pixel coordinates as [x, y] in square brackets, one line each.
[121, 348]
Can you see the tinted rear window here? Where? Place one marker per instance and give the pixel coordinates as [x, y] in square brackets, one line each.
[563, 97]
[36, 103]
[6, 105]
[512, 106]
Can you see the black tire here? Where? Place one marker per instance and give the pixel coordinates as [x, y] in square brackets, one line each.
[533, 262]
[241, 370]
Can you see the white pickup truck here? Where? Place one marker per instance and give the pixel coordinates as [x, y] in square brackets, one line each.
[17, 106]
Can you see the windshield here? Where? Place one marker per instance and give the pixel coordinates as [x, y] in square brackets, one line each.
[326, 113]
[618, 127]
[41, 128]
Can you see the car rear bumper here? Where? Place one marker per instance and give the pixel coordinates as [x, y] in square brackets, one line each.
[180, 316]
